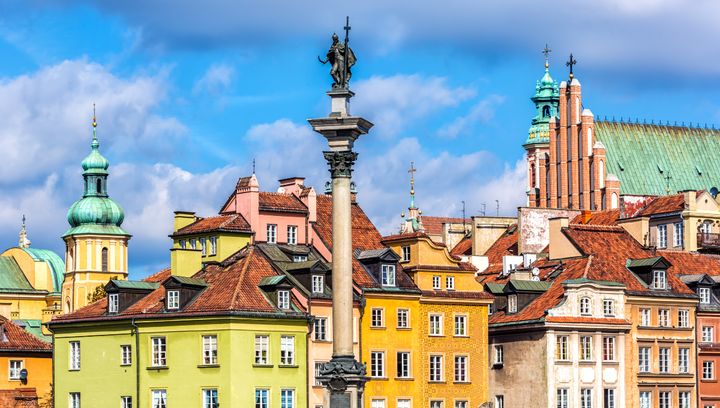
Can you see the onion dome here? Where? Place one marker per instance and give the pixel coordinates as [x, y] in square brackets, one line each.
[546, 100]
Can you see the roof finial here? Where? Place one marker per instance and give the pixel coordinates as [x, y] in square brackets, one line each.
[253, 166]
[547, 52]
[95, 143]
[572, 61]
[23, 242]
[412, 171]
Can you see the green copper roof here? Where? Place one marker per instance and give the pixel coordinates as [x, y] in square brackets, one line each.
[643, 156]
[580, 281]
[57, 266]
[529, 286]
[34, 327]
[495, 288]
[271, 280]
[635, 263]
[12, 279]
[546, 99]
[128, 284]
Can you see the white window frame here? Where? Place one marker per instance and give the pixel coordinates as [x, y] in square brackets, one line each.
[403, 318]
[450, 282]
[704, 294]
[377, 403]
[562, 351]
[708, 370]
[645, 317]
[210, 349]
[125, 355]
[664, 317]
[662, 235]
[318, 284]
[609, 348]
[14, 369]
[377, 364]
[586, 348]
[262, 398]
[512, 303]
[377, 317]
[499, 354]
[320, 329]
[608, 307]
[113, 302]
[645, 399]
[74, 363]
[664, 359]
[436, 282]
[271, 231]
[499, 402]
[211, 398]
[461, 368]
[286, 402]
[405, 253]
[708, 334]
[262, 349]
[437, 368]
[159, 398]
[645, 359]
[74, 400]
[300, 258]
[126, 401]
[683, 360]
[678, 230]
[159, 351]
[283, 297]
[173, 299]
[292, 234]
[659, 279]
[461, 325]
[684, 399]
[665, 399]
[203, 246]
[388, 275]
[435, 321]
[561, 398]
[287, 350]
[609, 398]
[213, 246]
[318, 366]
[585, 306]
[586, 398]
[404, 365]
[683, 318]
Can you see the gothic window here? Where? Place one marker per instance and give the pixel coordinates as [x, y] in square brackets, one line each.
[104, 260]
[533, 183]
[614, 201]
[546, 111]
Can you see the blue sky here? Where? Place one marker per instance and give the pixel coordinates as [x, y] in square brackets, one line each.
[188, 93]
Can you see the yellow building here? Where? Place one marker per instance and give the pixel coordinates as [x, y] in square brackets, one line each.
[95, 244]
[25, 367]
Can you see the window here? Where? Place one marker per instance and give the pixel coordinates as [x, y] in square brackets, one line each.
[287, 398]
[74, 400]
[403, 364]
[665, 399]
[662, 236]
[125, 354]
[499, 357]
[608, 307]
[708, 334]
[450, 282]
[436, 282]
[299, 258]
[403, 318]
[403, 403]
[436, 325]
[203, 247]
[210, 350]
[586, 398]
[287, 350]
[318, 284]
[173, 299]
[586, 348]
[159, 399]
[159, 352]
[460, 325]
[193, 243]
[645, 317]
[262, 398]
[377, 364]
[320, 328]
[436, 404]
[664, 318]
[210, 398]
[561, 348]
[262, 345]
[376, 318]
[645, 399]
[74, 355]
[512, 304]
[664, 360]
[678, 234]
[644, 359]
[659, 281]
[182, 243]
[104, 260]
[283, 299]
[377, 403]
[126, 402]
[708, 370]
[684, 399]
[271, 233]
[292, 234]
[683, 318]
[388, 275]
[562, 398]
[113, 303]
[704, 294]
[499, 401]
[436, 368]
[608, 348]
[213, 245]
[406, 254]
[461, 369]
[683, 360]
[585, 306]
[705, 227]
[318, 368]
[15, 367]
[609, 398]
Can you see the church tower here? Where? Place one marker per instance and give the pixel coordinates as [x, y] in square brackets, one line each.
[95, 244]
[413, 222]
[546, 99]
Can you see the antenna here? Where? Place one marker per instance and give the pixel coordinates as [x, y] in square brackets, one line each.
[484, 206]
[463, 215]
[497, 208]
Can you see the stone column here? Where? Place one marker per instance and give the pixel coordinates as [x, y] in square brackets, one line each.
[343, 375]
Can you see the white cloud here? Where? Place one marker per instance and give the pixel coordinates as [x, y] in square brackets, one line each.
[482, 112]
[215, 80]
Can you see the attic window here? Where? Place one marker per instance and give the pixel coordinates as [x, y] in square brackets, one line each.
[388, 275]
[299, 258]
[512, 304]
[113, 303]
[318, 283]
[704, 294]
[283, 299]
[173, 299]
[585, 306]
[659, 280]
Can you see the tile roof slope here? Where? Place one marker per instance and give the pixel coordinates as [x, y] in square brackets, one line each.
[506, 244]
[280, 202]
[686, 263]
[464, 247]
[230, 222]
[19, 339]
[434, 225]
[607, 217]
[232, 286]
[636, 154]
[663, 205]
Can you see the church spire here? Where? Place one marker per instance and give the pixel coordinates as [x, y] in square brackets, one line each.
[413, 222]
[23, 242]
[546, 100]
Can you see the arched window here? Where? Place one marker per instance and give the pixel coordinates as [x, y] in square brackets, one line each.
[601, 174]
[614, 201]
[104, 259]
[98, 188]
[589, 142]
[585, 306]
[546, 111]
[532, 175]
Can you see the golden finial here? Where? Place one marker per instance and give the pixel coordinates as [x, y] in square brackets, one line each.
[94, 118]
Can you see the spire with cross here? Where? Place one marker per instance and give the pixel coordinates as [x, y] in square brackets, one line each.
[572, 61]
[23, 242]
[547, 52]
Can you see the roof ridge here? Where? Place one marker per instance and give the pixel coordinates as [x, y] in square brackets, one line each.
[597, 227]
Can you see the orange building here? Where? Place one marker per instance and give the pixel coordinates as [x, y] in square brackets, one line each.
[25, 367]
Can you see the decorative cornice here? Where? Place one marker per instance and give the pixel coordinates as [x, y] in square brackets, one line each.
[340, 163]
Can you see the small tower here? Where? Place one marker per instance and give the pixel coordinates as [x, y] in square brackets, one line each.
[413, 222]
[546, 99]
[95, 244]
[23, 241]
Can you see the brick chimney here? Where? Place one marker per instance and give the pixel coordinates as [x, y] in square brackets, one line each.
[292, 185]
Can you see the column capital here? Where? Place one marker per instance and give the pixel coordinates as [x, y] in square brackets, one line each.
[340, 162]
[341, 373]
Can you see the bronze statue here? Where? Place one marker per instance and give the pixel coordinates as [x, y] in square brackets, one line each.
[342, 58]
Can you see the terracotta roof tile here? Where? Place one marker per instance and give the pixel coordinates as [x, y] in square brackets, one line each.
[506, 244]
[463, 248]
[607, 217]
[19, 398]
[596, 320]
[450, 294]
[664, 204]
[281, 202]
[434, 225]
[15, 338]
[231, 222]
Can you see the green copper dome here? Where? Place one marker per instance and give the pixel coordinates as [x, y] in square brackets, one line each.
[95, 213]
[546, 100]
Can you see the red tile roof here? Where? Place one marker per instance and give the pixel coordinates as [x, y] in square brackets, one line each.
[607, 217]
[506, 244]
[664, 204]
[434, 225]
[231, 222]
[687, 263]
[281, 202]
[452, 294]
[19, 398]
[596, 320]
[464, 247]
[15, 338]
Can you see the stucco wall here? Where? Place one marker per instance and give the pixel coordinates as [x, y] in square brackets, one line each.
[534, 227]
[524, 363]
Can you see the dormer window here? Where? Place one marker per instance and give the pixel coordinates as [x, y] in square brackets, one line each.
[659, 280]
[182, 243]
[173, 299]
[512, 304]
[299, 258]
[283, 299]
[704, 294]
[113, 303]
[585, 306]
[193, 243]
[318, 284]
[388, 275]
[608, 307]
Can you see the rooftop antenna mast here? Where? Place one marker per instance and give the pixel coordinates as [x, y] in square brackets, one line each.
[497, 208]
[463, 215]
[484, 207]
[667, 184]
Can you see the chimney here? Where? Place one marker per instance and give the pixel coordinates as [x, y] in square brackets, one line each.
[309, 198]
[247, 200]
[586, 215]
[560, 246]
[185, 262]
[292, 185]
[183, 219]
[690, 197]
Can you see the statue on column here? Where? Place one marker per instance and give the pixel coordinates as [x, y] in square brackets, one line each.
[341, 58]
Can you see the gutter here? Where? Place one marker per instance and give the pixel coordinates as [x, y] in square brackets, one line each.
[135, 331]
